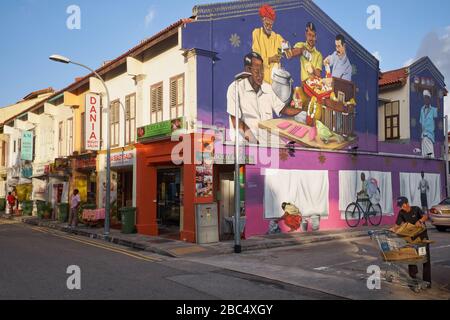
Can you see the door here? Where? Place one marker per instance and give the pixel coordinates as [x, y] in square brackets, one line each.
[226, 203]
[169, 183]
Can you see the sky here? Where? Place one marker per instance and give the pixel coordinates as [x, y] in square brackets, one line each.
[32, 30]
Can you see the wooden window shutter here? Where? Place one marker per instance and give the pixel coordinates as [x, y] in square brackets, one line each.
[160, 98]
[180, 91]
[173, 93]
[154, 100]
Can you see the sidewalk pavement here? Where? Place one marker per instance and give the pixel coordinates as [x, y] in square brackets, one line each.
[175, 248]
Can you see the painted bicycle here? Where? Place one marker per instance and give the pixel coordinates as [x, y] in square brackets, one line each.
[363, 208]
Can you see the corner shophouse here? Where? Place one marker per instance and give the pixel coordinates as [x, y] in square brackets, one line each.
[321, 178]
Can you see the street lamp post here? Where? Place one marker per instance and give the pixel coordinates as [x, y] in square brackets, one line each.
[65, 60]
[237, 188]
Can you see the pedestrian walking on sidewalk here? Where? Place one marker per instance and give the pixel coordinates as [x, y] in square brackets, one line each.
[74, 206]
[11, 203]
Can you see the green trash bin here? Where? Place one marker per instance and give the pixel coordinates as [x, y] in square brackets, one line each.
[2, 204]
[63, 209]
[41, 206]
[27, 208]
[128, 220]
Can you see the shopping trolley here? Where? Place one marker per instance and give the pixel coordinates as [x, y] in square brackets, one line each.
[398, 252]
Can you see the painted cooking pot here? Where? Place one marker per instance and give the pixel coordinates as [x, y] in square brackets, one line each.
[282, 84]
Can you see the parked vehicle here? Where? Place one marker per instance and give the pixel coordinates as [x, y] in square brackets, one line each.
[440, 215]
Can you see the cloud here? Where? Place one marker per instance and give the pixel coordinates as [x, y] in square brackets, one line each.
[377, 55]
[409, 62]
[436, 45]
[150, 16]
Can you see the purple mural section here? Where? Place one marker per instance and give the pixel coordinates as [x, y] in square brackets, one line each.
[333, 163]
[334, 78]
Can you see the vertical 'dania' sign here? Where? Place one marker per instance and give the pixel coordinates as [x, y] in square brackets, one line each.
[92, 122]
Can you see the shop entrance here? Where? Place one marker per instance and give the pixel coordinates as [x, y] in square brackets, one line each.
[226, 201]
[169, 202]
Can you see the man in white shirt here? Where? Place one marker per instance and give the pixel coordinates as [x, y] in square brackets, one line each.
[424, 187]
[257, 101]
[428, 116]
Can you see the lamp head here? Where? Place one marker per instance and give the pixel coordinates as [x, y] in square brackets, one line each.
[59, 58]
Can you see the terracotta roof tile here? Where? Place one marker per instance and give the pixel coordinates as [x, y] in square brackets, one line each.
[393, 78]
[37, 93]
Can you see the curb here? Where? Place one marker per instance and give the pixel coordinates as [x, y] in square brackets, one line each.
[297, 242]
[220, 251]
[87, 234]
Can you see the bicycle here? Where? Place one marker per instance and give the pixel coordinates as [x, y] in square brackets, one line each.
[355, 212]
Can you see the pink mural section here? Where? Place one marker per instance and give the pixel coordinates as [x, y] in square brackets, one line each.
[257, 224]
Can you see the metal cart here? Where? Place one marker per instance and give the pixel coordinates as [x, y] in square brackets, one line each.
[389, 242]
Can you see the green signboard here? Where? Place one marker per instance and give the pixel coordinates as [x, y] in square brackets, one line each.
[161, 129]
[27, 146]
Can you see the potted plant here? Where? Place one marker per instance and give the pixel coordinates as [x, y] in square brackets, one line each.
[48, 210]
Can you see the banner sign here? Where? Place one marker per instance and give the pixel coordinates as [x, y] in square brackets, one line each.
[161, 129]
[92, 121]
[122, 159]
[27, 146]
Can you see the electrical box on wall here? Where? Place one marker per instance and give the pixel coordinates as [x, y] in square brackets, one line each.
[207, 223]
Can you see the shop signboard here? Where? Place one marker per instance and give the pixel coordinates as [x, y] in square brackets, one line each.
[27, 146]
[161, 129]
[61, 164]
[86, 163]
[40, 170]
[122, 159]
[92, 122]
[27, 171]
[204, 169]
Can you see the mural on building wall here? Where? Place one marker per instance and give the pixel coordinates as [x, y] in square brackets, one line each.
[297, 81]
[308, 190]
[422, 189]
[427, 111]
[366, 188]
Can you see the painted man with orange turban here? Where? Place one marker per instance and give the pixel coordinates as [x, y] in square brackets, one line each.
[266, 42]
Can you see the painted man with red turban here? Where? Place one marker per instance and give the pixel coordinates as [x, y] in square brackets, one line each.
[266, 42]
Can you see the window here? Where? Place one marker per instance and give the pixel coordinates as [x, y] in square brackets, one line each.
[15, 143]
[83, 132]
[60, 139]
[177, 97]
[156, 103]
[3, 159]
[20, 145]
[130, 125]
[34, 146]
[114, 122]
[392, 120]
[70, 136]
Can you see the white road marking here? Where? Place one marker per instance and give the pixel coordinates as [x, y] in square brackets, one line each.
[441, 247]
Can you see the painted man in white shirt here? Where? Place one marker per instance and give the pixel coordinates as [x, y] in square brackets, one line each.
[257, 102]
[428, 116]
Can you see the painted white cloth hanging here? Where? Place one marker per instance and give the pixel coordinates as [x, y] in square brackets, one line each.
[307, 190]
[350, 184]
[409, 188]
